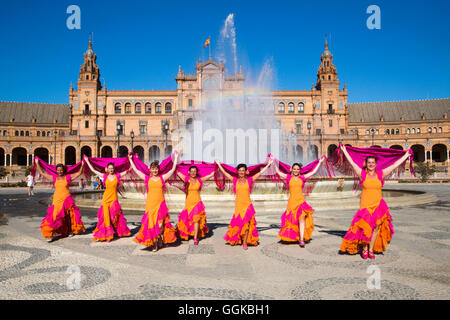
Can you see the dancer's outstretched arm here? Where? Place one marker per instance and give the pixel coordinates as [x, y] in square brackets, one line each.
[226, 174]
[356, 168]
[309, 174]
[98, 173]
[181, 176]
[78, 173]
[41, 171]
[281, 174]
[256, 176]
[123, 173]
[174, 167]
[207, 177]
[138, 172]
[387, 171]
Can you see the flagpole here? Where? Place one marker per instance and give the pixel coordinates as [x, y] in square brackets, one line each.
[209, 47]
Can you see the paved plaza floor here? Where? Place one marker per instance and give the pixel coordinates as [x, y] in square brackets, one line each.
[415, 266]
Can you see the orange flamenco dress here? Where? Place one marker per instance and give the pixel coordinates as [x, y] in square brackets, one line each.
[110, 216]
[63, 216]
[296, 209]
[244, 215]
[373, 212]
[193, 212]
[156, 213]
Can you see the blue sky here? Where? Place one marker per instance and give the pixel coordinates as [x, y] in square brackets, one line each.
[140, 44]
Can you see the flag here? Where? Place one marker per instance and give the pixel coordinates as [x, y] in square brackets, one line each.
[206, 43]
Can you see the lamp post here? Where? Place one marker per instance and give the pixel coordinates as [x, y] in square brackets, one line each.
[132, 137]
[54, 151]
[165, 128]
[308, 126]
[373, 133]
[118, 140]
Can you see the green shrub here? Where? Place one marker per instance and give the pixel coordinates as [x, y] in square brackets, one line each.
[3, 172]
[425, 170]
[27, 171]
[21, 184]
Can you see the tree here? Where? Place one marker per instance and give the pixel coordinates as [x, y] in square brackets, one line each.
[2, 172]
[425, 170]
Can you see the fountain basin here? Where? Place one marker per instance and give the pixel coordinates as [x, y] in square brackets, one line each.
[267, 198]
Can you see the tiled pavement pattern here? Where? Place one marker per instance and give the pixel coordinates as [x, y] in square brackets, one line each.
[416, 265]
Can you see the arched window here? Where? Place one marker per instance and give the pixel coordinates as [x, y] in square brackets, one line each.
[148, 107]
[16, 133]
[38, 133]
[158, 107]
[43, 133]
[168, 108]
[281, 107]
[27, 133]
[392, 131]
[21, 133]
[137, 107]
[387, 131]
[413, 130]
[434, 130]
[440, 130]
[189, 123]
[127, 107]
[301, 107]
[407, 131]
[118, 108]
[291, 107]
[418, 130]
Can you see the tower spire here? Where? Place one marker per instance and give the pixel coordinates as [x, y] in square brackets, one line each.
[327, 71]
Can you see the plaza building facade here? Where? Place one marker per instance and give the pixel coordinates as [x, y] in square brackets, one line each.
[108, 123]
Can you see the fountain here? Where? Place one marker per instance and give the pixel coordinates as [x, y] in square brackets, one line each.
[239, 126]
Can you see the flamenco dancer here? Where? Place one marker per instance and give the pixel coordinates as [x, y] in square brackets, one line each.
[297, 222]
[242, 228]
[192, 220]
[156, 228]
[63, 216]
[371, 226]
[111, 220]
